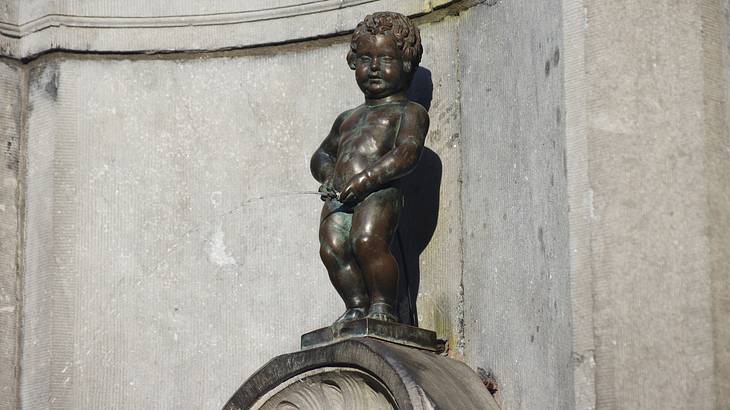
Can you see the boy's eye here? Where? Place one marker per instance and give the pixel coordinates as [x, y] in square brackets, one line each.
[364, 59]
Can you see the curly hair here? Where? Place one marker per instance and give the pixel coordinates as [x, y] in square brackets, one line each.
[406, 35]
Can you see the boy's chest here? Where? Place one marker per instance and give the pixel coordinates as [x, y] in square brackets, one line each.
[376, 129]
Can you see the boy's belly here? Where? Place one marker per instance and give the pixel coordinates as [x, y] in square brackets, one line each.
[347, 166]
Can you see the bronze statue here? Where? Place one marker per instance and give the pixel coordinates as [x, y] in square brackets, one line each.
[359, 164]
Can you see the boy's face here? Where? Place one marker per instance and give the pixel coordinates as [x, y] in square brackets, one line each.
[379, 66]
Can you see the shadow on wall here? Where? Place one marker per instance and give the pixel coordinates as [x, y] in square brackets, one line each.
[418, 220]
[421, 90]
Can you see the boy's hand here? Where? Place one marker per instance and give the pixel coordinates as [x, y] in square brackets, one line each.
[357, 189]
[327, 191]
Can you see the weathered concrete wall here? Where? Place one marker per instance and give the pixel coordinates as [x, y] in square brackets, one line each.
[514, 200]
[10, 103]
[154, 278]
[648, 145]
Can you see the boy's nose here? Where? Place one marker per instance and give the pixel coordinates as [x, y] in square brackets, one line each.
[375, 64]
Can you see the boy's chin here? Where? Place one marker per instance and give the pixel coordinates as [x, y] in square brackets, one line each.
[373, 94]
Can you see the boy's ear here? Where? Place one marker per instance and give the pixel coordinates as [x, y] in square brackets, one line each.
[407, 67]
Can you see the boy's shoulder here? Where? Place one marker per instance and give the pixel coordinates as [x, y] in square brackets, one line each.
[409, 108]
[414, 108]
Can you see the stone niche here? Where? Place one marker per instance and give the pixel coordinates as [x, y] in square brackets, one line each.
[146, 253]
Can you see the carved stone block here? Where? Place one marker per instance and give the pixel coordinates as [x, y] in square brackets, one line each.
[363, 373]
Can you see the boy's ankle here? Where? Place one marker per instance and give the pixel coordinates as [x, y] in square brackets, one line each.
[382, 311]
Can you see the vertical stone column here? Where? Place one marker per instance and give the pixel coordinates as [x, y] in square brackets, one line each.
[580, 198]
[10, 102]
[514, 197]
[50, 252]
[646, 96]
[716, 88]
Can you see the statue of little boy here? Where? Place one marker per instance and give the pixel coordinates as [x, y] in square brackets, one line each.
[369, 148]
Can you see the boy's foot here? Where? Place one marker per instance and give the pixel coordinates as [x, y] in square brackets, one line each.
[382, 311]
[352, 314]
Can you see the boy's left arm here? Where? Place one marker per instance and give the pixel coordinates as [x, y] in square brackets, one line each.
[397, 163]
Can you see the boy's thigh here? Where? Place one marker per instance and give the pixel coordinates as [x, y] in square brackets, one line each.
[377, 215]
[334, 229]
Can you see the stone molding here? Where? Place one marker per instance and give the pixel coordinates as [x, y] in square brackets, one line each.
[202, 32]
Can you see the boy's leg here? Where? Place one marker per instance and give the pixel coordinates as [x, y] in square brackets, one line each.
[336, 253]
[373, 225]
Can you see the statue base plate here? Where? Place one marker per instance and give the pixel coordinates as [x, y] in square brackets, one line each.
[388, 331]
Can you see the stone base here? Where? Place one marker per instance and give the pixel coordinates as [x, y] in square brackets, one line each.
[389, 331]
[363, 373]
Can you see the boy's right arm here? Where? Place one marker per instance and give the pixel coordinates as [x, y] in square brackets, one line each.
[323, 161]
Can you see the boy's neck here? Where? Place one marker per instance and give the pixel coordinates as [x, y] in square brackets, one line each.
[397, 97]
